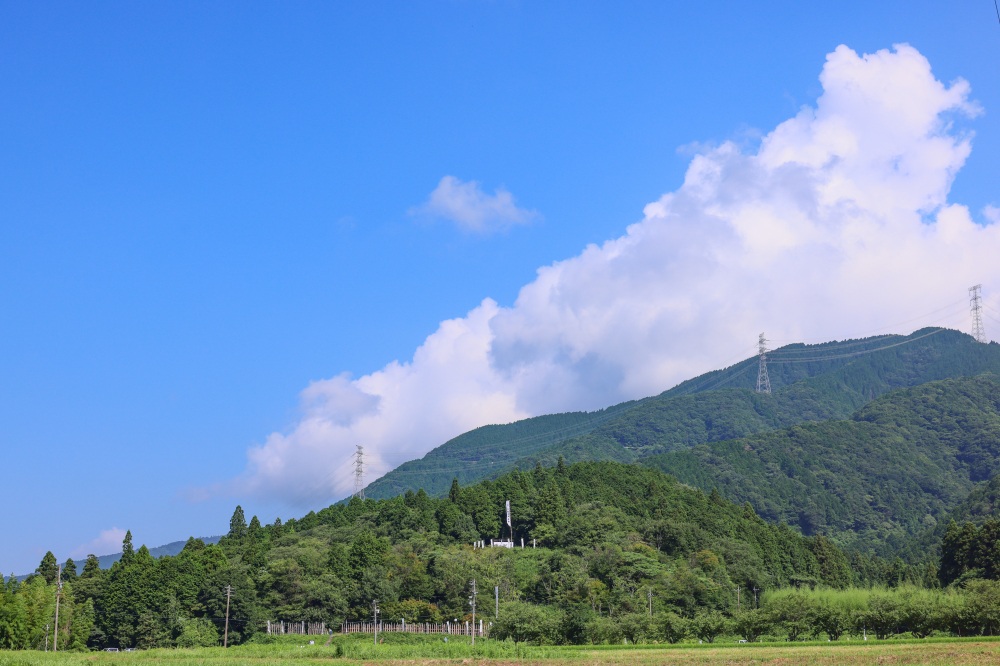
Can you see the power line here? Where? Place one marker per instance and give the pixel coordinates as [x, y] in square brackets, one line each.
[833, 346]
[958, 306]
[705, 386]
[857, 353]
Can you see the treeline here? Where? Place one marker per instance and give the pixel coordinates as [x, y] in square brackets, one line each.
[609, 538]
[610, 550]
[783, 615]
[970, 551]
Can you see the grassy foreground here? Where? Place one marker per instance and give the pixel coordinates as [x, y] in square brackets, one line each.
[350, 650]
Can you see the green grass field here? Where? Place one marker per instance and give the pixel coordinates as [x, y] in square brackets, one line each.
[420, 650]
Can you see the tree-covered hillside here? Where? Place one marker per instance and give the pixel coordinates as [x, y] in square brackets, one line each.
[811, 383]
[613, 540]
[487, 452]
[982, 503]
[875, 481]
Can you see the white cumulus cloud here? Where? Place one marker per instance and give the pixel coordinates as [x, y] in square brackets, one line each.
[108, 542]
[471, 209]
[837, 225]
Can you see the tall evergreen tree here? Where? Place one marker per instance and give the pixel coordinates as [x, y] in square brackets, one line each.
[128, 552]
[254, 529]
[92, 567]
[83, 625]
[237, 525]
[48, 568]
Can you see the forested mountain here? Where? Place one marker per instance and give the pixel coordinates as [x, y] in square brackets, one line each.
[876, 481]
[811, 383]
[613, 540]
[487, 452]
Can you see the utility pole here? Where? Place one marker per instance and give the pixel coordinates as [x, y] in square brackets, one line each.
[737, 598]
[976, 308]
[763, 383]
[225, 635]
[375, 613]
[472, 602]
[55, 634]
[46, 638]
[359, 472]
[649, 598]
[496, 594]
[755, 591]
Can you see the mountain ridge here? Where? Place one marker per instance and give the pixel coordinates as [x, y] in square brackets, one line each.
[901, 464]
[810, 383]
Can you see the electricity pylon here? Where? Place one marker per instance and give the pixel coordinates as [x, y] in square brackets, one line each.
[763, 382]
[976, 306]
[359, 473]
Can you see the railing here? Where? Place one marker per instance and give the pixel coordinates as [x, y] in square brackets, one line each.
[304, 628]
[447, 628]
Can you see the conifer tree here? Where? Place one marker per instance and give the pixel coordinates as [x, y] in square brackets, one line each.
[48, 568]
[128, 552]
[92, 567]
[237, 525]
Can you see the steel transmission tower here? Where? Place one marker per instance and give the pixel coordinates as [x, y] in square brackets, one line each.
[976, 306]
[359, 472]
[763, 383]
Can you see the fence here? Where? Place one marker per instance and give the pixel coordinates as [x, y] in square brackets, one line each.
[304, 628]
[448, 628]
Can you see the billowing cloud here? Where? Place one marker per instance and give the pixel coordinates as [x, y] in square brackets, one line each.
[471, 209]
[107, 542]
[397, 414]
[837, 225]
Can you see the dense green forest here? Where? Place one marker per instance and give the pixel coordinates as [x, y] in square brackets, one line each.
[613, 552]
[612, 540]
[487, 452]
[811, 383]
[874, 482]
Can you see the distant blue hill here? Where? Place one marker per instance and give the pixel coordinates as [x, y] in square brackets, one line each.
[172, 548]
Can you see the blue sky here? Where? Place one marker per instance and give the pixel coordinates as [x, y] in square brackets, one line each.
[226, 229]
